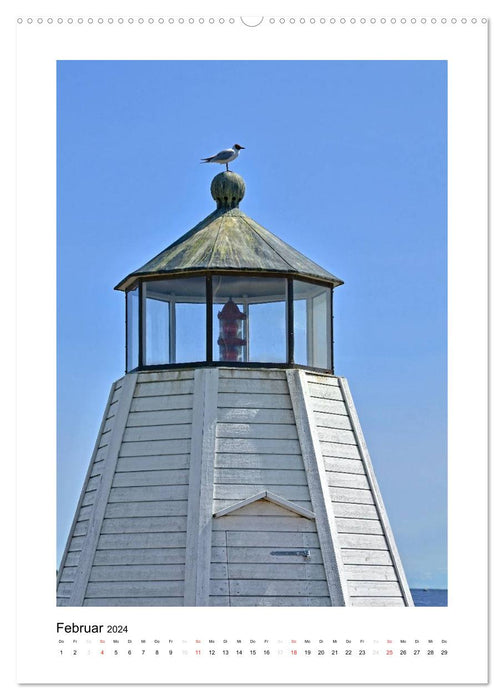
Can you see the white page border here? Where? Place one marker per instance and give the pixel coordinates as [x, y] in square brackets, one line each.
[464, 46]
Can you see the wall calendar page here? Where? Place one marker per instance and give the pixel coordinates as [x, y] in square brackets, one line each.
[245, 448]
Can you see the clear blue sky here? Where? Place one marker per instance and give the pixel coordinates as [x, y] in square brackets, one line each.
[345, 161]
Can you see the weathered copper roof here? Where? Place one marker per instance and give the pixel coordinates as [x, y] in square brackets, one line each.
[228, 239]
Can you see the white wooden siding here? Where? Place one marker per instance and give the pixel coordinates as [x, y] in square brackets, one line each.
[71, 555]
[244, 438]
[141, 544]
[257, 446]
[369, 568]
[246, 569]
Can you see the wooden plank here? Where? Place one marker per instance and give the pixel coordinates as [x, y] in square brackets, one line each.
[252, 386]
[144, 557]
[144, 540]
[328, 406]
[72, 559]
[175, 523]
[336, 435]
[112, 409]
[76, 543]
[65, 590]
[249, 373]
[254, 401]
[162, 403]
[275, 588]
[283, 601]
[97, 469]
[159, 447]
[342, 464]
[366, 556]
[108, 425]
[370, 573]
[363, 527]
[352, 481]
[256, 430]
[276, 416]
[160, 418]
[268, 468]
[264, 523]
[351, 495]
[244, 446]
[145, 509]
[171, 388]
[93, 483]
[269, 601]
[201, 482]
[85, 512]
[104, 440]
[260, 476]
[369, 602]
[166, 572]
[134, 602]
[262, 461]
[374, 588]
[158, 477]
[133, 589]
[401, 576]
[324, 379]
[321, 391]
[261, 555]
[168, 375]
[89, 498]
[268, 539]
[331, 420]
[151, 463]
[339, 449]
[271, 572]
[157, 432]
[81, 527]
[148, 493]
[354, 510]
[218, 555]
[68, 574]
[363, 542]
[101, 454]
[238, 492]
[117, 393]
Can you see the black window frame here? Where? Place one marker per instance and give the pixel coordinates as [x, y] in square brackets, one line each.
[209, 360]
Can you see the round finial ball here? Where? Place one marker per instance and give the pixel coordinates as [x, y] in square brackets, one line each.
[228, 189]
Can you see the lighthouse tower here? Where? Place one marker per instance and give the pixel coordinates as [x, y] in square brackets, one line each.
[230, 468]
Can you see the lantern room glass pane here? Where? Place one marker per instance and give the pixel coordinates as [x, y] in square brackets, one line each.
[312, 319]
[175, 320]
[157, 325]
[249, 319]
[132, 329]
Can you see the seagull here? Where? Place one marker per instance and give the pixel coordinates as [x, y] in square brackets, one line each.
[225, 156]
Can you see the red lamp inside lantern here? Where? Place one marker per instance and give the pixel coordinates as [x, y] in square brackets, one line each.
[231, 338]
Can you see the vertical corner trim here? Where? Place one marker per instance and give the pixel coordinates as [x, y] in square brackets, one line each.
[109, 466]
[201, 483]
[375, 490]
[317, 484]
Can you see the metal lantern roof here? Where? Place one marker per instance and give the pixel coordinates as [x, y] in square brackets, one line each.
[230, 240]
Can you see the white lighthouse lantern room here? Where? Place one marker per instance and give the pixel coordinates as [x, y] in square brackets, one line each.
[230, 468]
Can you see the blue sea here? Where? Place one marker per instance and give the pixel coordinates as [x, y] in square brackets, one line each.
[430, 597]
